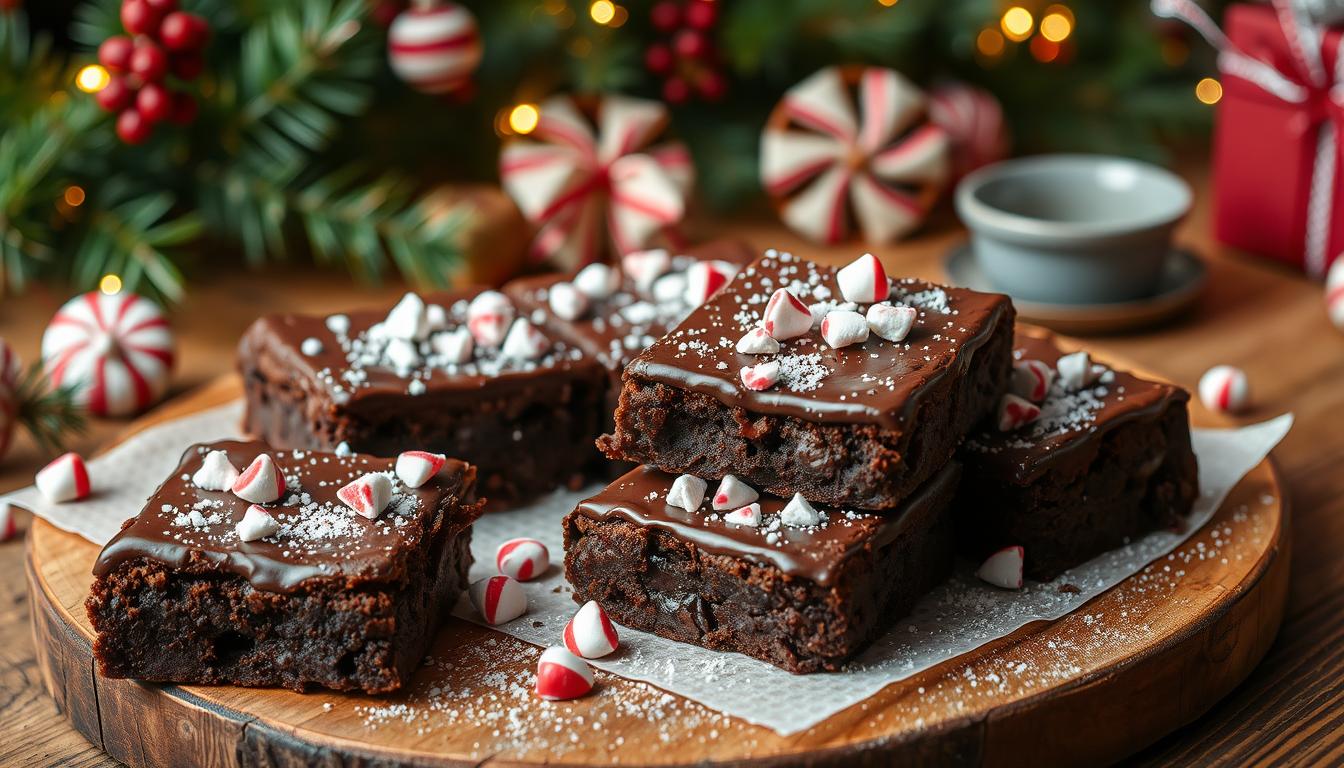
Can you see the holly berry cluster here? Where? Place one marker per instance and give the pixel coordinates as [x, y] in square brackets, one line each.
[163, 41]
[687, 60]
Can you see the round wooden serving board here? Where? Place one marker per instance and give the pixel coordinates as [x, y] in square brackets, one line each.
[1136, 662]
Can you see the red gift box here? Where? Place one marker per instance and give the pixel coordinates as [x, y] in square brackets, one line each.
[1268, 149]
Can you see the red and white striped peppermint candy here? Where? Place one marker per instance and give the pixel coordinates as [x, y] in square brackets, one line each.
[116, 350]
[368, 495]
[434, 47]
[414, 468]
[64, 479]
[522, 559]
[9, 527]
[973, 119]
[821, 160]
[704, 278]
[1016, 412]
[499, 599]
[1032, 379]
[1224, 389]
[561, 675]
[1334, 296]
[1003, 568]
[590, 633]
[262, 481]
[589, 183]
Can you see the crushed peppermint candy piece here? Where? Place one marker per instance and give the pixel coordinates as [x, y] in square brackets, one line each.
[1032, 379]
[455, 346]
[488, 318]
[343, 449]
[704, 278]
[669, 288]
[1224, 389]
[687, 492]
[338, 324]
[590, 633]
[644, 267]
[499, 599]
[1003, 568]
[261, 482]
[1076, 371]
[864, 280]
[404, 355]
[1016, 412]
[524, 342]
[408, 319]
[414, 468]
[217, 473]
[311, 346]
[436, 317]
[561, 675]
[597, 281]
[732, 493]
[567, 302]
[761, 376]
[841, 328]
[748, 516]
[799, 513]
[785, 316]
[757, 342]
[368, 495]
[522, 559]
[892, 323]
[64, 479]
[257, 523]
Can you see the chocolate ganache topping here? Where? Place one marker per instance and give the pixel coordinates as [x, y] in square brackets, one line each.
[192, 529]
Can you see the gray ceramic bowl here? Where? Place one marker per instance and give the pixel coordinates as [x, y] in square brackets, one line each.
[1072, 228]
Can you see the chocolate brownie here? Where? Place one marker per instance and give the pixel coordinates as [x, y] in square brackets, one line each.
[330, 599]
[374, 382]
[1103, 463]
[802, 598]
[861, 426]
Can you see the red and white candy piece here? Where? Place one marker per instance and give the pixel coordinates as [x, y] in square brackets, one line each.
[892, 323]
[524, 342]
[864, 280]
[799, 513]
[786, 316]
[1015, 412]
[597, 281]
[522, 559]
[434, 48]
[1334, 293]
[499, 599]
[257, 523]
[1032, 379]
[704, 278]
[217, 473]
[757, 342]
[843, 327]
[670, 288]
[1224, 389]
[732, 493]
[455, 346]
[414, 468]
[1003, 568]
[748, 516]
[489, 316]
[687, 492]
[589, 633]
[64, 479]
[761, 376]
[561, 675]
[9, 526]
[567, 302]
[261, 482]
[645, 267]
[1076, 371]
[368, 495]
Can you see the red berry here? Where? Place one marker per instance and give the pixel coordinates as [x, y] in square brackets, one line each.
[701, 14]
[149, 62]
[712, 86]
[153, 102]
[116, 95]
[132, 127]
[184, 109]
[162, 6]
[115, 53]
[139, 17]
[187, 66]
[690, 44]
[658, 58]
[183, 31]
[666, 16]
[676, 91]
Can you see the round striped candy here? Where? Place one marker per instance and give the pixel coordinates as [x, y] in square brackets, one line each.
[115, 350]
[522, 559]
[1224, 389]
[434, 47]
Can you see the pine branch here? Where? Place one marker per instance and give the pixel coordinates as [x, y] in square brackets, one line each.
[133, 235]
[49, 415]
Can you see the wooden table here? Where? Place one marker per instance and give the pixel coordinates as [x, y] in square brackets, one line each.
[1267, 320]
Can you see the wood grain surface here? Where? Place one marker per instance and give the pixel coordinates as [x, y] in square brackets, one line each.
[1266, 319]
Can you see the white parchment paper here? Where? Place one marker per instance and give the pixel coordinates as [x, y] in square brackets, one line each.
[956, 618]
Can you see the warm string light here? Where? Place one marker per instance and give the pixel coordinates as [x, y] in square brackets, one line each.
[1046, 38]
[1057, 24]
[92, 79]
[523, 118]
[887, 3]
[1209, 91]
[602, 11]
[1017, 23]
[110, 284]
[73, 196]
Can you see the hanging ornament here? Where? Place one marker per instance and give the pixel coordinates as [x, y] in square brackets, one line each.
[684, 57]
[25, 398]
[434, 46]
[115, 351]
[973, 120]
[592, 178]
[826, 164]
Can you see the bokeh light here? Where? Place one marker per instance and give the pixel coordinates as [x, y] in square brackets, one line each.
[110, 284]
[1209, 91]
[92, 79]
[523, 118]
[1017, 23]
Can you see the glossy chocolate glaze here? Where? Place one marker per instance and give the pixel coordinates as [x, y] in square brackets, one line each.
[875, 382]
[1068, 421]
[319, 537]
[815, 553]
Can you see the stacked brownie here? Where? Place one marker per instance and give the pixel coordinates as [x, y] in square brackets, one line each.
[797, 433]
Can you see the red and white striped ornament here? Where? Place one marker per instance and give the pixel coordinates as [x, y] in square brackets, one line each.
[116, 351]
[587, 182]
[434, 47]
[561, 675]
[522, 559]
[825, 163]
[590, 633]
[973, 119]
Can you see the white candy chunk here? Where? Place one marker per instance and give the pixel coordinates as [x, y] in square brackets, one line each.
[455, 346]
[1032, 379]
[311, 346]
[408, 320]
[1003, 568]
[338, 324]
[499, 599]
[261, 482]
[761, 376]
[841, 328]
[597, 281]
[524, 342]
[732, 493]
[749, 516]
[403, 355]
[819, 311]
[64, 479]
[757, 342]
[567, 302]
[669, 288]
[257, 523]
[217, 473]
[488, 318]
[1076, 371]
[864, 280]
[436, 317]
[799, 513]
[343, 449]
[368, 495]
[892, 323]
[644, 267]
[785, 317]
[414, 468]
[687, 492]
[704, 278]
[1224, 389]
[1016, 412]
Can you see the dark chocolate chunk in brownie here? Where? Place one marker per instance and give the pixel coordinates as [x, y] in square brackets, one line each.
[805, 598]
[861, 426]
[329, 599]
[1105, 462]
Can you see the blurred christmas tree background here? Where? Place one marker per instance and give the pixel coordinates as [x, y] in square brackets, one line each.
[304, 144]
